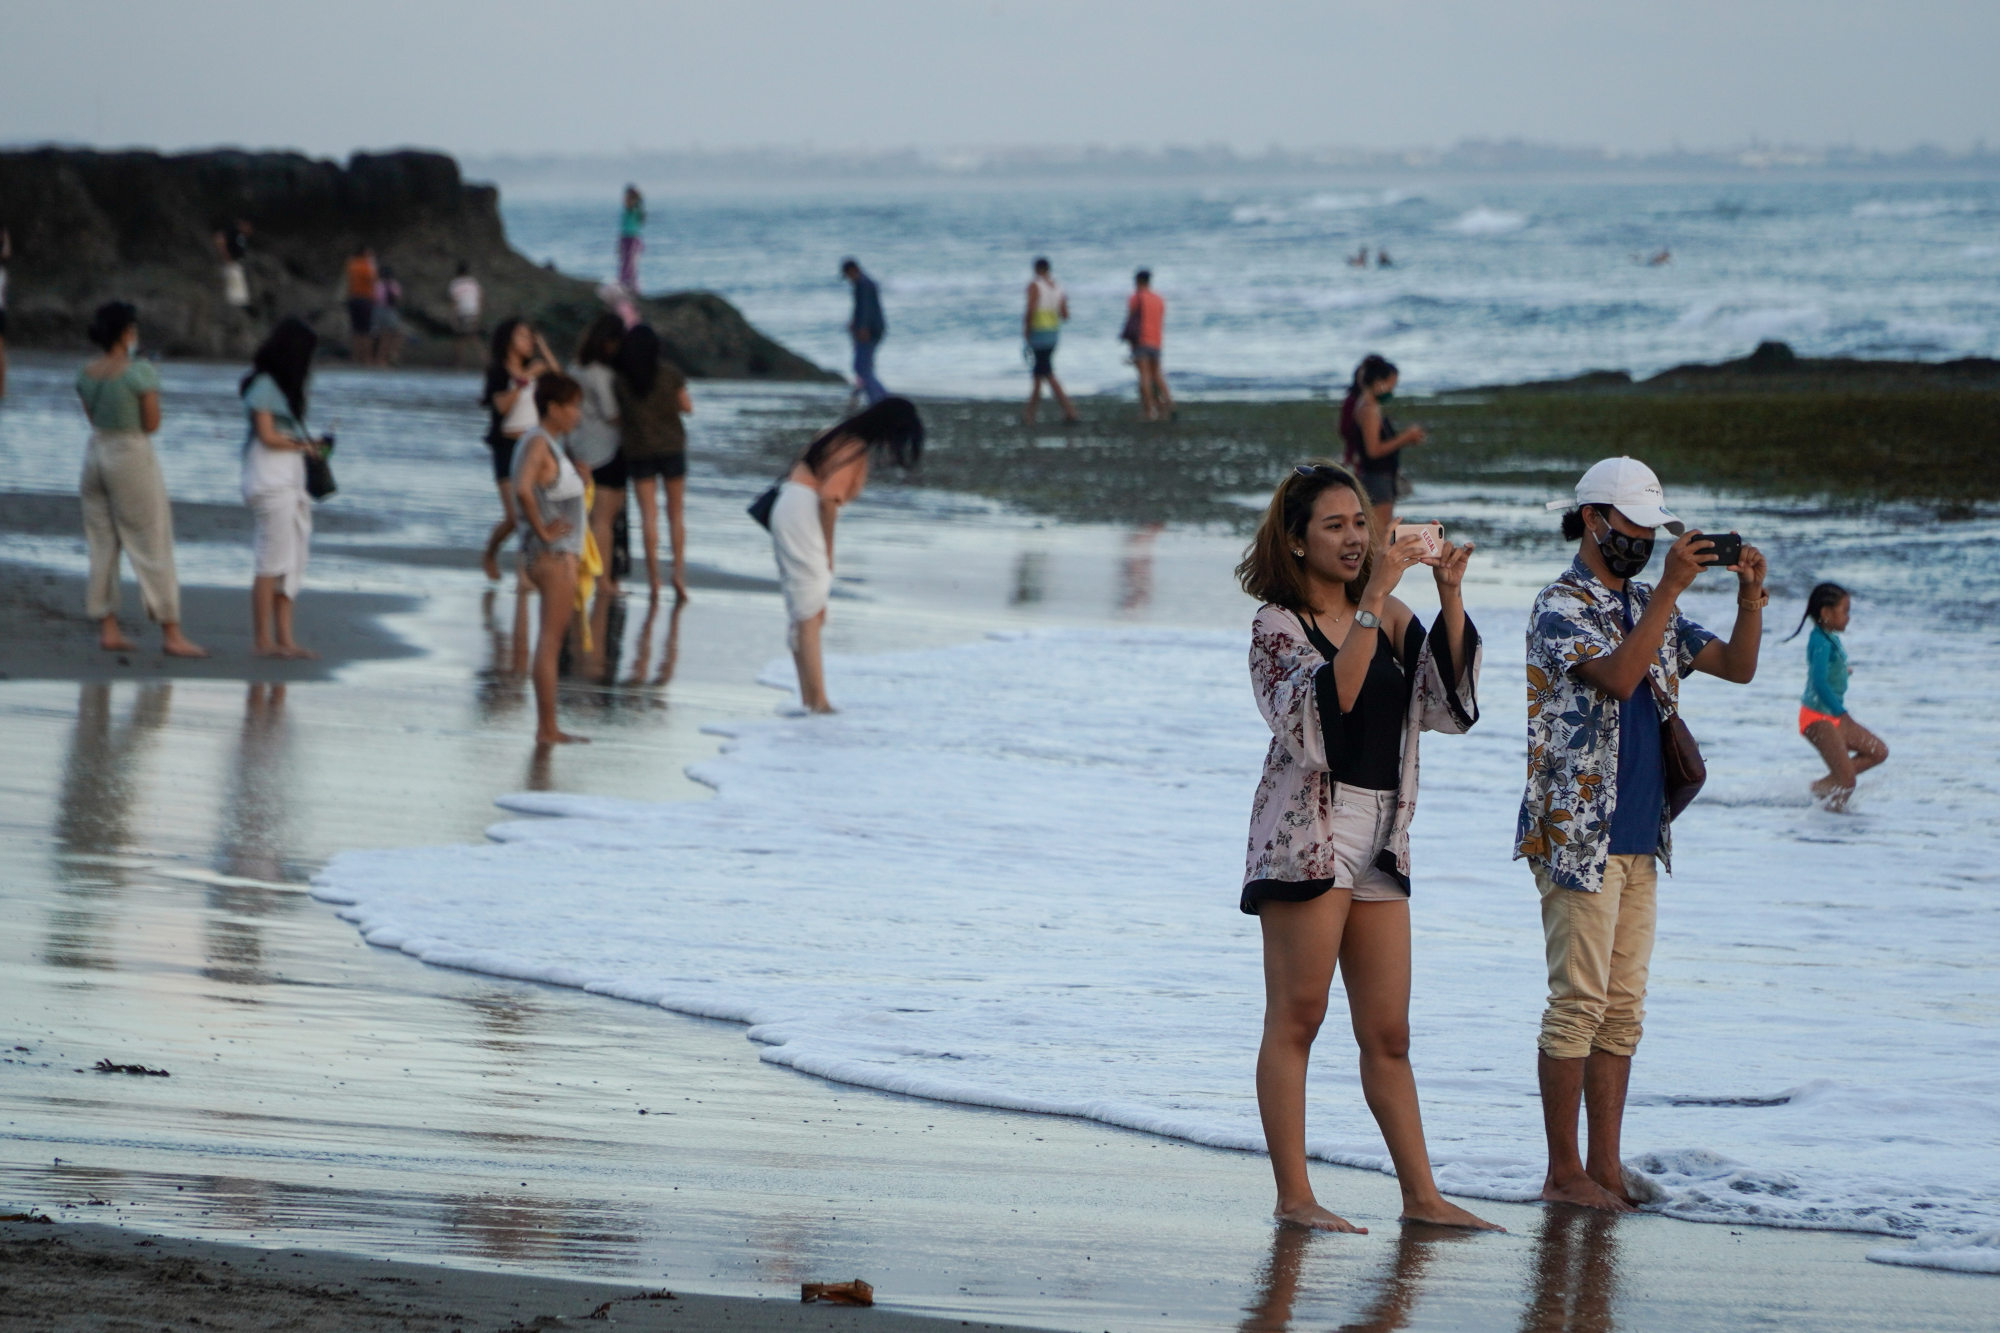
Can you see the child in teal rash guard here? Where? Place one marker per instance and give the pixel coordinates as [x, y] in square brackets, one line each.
[1848, 747]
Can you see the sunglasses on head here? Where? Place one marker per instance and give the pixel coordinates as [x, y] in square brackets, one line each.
[1317, 470]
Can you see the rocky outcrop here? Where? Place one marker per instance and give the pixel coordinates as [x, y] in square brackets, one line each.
[90, 227]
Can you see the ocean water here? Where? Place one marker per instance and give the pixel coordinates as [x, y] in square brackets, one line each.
[1006, 875]
[1493, 282]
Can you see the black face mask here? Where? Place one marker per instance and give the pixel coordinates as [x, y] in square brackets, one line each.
[1624, 556]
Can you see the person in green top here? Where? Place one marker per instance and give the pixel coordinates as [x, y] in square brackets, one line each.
[126, 513]
[631, 222]
[1848, 747]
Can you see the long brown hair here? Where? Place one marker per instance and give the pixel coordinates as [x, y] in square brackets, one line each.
[1269, 571]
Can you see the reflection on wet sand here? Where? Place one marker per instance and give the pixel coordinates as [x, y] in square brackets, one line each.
[1575, 1273]
[93, 821]
[1135, 571]
[1394, 1293]
[503, 683]
[253, 841]
[1030, 578]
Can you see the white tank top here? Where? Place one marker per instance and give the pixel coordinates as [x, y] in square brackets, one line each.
[1048, 304]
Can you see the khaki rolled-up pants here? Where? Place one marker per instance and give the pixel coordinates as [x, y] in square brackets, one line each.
[126, 514]
[1600, 948]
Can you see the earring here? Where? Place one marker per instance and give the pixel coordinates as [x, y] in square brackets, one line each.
[1298, 554]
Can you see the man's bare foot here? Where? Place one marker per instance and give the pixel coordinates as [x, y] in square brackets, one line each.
[176, 644]
[114, 641]
[1584, 1193]
[559, 738]
[296, 653]
[1616, 1189]
[1318, 1219]
[1440, 1212]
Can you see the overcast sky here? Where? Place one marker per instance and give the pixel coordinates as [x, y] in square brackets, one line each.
[597, 76]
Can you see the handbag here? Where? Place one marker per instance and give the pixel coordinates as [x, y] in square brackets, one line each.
[760, 508]
[1686, 772]
[319, 471]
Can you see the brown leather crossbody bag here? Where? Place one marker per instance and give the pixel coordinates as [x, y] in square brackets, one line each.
[1682, 756]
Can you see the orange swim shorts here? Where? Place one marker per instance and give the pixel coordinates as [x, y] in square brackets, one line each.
[1808, 716]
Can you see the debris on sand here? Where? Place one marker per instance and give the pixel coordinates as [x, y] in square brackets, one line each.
[856, 1292]
[106, 1067]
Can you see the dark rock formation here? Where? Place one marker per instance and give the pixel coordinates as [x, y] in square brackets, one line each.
[1775, 367]
[90, 227]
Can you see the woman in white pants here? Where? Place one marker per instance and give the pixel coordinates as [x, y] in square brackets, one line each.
[126, 514]
[274, 481]
[830, 473]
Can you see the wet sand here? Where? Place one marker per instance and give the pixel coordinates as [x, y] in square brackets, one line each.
[333, 1099]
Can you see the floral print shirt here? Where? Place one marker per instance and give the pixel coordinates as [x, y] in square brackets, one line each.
[1291, 816]
[1565, 823]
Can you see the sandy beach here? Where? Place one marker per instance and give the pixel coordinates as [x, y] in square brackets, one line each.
[332, 1109]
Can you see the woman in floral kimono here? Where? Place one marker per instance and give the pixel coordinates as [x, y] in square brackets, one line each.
[1346, 676]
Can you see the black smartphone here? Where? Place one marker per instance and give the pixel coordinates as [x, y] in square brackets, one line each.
[1725, 549]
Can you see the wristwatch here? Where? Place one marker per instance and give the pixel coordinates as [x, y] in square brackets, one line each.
[1367, 620]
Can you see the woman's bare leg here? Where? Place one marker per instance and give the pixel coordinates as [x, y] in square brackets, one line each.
[1375, 964]
[603, 510]
[554, 576]
[1301, 942]
[1838, 784]
[1034, 401]
[677, 533]
[263, 611]
[812, 671]
[1385, 519]
[501, 531]
[1062, 399]
[282, 618]
[649, 529]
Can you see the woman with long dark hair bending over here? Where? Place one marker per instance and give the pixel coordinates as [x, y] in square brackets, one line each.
[829, 474]
[548, 492]
[1346, 676]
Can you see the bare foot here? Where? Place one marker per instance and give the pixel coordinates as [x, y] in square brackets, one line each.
[112, 640]
[1318, 1219]
[179, 645]
[680, 589]
[1584, 1193]
[1439, 1212]
[296, 653]
[559, 738]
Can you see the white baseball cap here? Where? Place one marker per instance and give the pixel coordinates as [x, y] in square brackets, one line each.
[1631, 488]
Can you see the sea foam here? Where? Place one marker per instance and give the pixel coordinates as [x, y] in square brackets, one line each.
[1006, 875]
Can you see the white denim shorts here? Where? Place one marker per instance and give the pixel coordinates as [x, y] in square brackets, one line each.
[1362, 821]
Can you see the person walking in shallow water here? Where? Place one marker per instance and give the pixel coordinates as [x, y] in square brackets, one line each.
[126, 512]
[1041, 325]
[866, 327]
[1847, 747]
[1606, 655]
[1347, 678]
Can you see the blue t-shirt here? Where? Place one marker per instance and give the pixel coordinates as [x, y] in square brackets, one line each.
[1642, 766]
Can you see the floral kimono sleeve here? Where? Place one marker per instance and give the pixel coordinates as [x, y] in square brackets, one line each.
[1284, 667]
[1447, 692]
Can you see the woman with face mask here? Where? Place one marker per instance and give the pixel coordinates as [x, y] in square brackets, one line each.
[126, 514]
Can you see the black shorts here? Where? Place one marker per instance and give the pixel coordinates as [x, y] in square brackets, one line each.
[503, 456]
[1045, 361]
[667, 467]
[360, 314]
[612, 475]
[1381, 486]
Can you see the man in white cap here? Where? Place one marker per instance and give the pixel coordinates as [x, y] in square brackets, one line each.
[1605, 659]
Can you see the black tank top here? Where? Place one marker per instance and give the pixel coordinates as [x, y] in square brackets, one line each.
[1364, 746]
[1356, 449]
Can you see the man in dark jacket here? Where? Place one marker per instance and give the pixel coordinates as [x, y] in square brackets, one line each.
[866, 327]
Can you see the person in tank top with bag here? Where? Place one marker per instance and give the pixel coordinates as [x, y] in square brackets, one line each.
[1041, 326]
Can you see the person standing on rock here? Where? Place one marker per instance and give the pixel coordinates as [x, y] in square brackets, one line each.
[519, 357]
[274, 481]
[631, 239]
[232, 247]
[126, 513]
[866, 327]
[1041, 326]
[466, 299]
[361, 280]
[388, 317]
